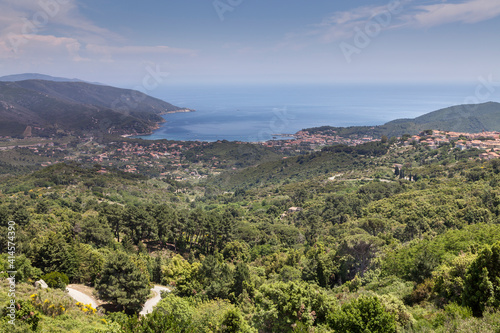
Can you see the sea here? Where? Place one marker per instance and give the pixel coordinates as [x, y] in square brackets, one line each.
[261, 112]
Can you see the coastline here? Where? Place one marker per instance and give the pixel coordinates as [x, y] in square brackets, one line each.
[177, 111]
[157, 124]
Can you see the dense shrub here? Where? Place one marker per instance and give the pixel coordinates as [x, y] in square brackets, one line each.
[56, 280]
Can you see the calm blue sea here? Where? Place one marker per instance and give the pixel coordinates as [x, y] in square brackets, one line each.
[258, 112]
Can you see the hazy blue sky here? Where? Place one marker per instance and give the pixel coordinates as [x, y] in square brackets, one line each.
[122, 42]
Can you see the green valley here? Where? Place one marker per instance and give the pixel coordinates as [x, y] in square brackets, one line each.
[384, 236]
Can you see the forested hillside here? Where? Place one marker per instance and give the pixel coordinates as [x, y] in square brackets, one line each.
[48, 106]
[470, 118]
[374, 238]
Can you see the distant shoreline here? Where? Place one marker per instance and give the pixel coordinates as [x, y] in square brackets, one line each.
[157, 125]
[178, 111]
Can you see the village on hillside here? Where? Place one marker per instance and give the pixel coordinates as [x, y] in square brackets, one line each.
[488, 141]
[168, 158]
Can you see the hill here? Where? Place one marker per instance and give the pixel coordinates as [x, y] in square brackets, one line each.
[48, 106]
[36, 76]
[472, 118]
[461, 118]
[339, 158]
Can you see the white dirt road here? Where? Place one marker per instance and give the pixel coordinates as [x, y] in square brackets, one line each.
[148, 306]
[151, 303]
[81, 297]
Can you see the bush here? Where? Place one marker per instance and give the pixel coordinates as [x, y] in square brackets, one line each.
[51, 303]
[25, 313]
[281, 305]
[482, 282]
[56, 280]
[365, 314]
[177, 314]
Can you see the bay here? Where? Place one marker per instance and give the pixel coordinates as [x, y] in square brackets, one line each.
[260, 112]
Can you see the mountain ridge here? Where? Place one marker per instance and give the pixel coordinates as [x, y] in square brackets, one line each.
[37, 76]
[470, 118]
[51, 106]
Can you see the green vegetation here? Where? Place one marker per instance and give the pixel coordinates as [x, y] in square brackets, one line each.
[50, 106]
[123, 284]
[56, 280]
[339, 240]
[461, 118]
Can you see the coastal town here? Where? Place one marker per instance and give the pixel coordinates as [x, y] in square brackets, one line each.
[303, 141]
[169, 159]
[487, 142]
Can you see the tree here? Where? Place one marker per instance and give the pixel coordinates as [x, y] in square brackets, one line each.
[21, 216]
[449, 278]
[166, 219]
[235, 251]
[90, 264]
[114, 215]
[24, 269]
[216, 276]
[183, 275]
[321, 265]
[123, 284]
[140, 224]
[482, 283]
[357, 251]
[96, 231]
[365, 314]
[52, 253]
[283, 304]
[241, 279]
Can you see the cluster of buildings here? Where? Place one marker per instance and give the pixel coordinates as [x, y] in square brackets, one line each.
[488, 141]
[304, 141]
[160, 158]
[168, 158]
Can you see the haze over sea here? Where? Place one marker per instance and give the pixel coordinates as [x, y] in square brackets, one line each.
[258, 112]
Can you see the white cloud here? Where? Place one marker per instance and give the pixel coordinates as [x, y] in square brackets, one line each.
[398, 13]
[34, 17]
[31, 47]
[56, 30]
[471, 11]
[342, 24]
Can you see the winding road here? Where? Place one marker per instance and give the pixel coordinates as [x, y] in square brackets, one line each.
[150, 303]
[148, 306]
[81, 297]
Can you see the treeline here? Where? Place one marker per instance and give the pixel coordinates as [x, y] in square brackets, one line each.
[197, 229]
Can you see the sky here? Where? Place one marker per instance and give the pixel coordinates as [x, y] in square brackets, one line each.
[149, 43]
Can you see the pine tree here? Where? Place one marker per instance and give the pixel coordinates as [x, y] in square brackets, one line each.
[123, 284]
[482, 283]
